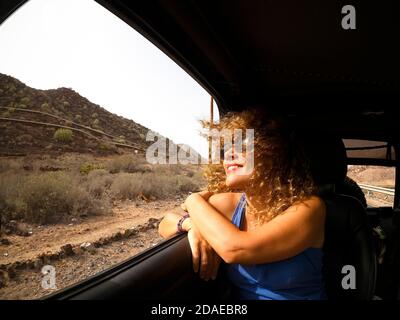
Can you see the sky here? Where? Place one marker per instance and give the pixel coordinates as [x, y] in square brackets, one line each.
[78, 44]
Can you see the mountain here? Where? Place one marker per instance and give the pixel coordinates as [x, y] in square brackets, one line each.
[30, 118]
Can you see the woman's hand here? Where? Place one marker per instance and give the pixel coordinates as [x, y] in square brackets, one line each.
[203, 255]
[204, 194]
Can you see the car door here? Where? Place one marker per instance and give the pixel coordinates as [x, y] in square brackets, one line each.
[163, 272]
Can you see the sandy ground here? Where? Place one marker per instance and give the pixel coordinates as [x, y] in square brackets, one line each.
[69, 270]
[51, 238]
[373, 202]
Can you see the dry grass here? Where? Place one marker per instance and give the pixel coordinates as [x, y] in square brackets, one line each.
[127, 163]
[31, 192]
[49, 197]
[151, 185]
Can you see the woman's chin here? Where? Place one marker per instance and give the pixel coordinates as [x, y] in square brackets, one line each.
[234, 182]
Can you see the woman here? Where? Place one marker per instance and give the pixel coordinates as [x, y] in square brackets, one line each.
[265, 222]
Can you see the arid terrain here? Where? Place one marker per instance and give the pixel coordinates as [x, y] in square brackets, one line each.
[376, 176]
[80, 249]
[111, 215]
[76, 191]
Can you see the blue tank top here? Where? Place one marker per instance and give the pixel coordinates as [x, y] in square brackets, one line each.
[296, 278]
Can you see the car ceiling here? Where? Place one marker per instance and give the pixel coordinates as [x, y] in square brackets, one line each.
[290, 57]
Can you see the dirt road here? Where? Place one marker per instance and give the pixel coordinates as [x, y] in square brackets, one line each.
[26, 283]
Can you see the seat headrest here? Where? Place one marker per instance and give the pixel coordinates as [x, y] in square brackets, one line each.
[327, 158]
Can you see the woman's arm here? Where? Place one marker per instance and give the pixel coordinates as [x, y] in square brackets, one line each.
[168, 225]
[299, 228]
[223, 203]
[204, 258]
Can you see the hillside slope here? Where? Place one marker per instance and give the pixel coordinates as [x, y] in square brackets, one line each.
[29, 118]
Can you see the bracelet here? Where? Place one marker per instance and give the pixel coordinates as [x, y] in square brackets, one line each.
[180, 222]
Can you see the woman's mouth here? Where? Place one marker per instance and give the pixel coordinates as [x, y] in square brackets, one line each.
[233, 167]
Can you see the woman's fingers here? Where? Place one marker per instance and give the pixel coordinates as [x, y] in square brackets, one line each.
[212, 269]
[209, 268]
[210, 262]
[194, 245]
[217, 262]
[204, 261]
[204, 258]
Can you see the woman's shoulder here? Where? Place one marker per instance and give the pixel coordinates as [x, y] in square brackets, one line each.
[311, 209]
[313, 213]
[225, 202]
[313, 203]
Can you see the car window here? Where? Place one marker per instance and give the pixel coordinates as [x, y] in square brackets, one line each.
[366, 149]
[83, 97]
[376, 182]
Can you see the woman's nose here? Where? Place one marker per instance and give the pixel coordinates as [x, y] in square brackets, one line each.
[230, 154]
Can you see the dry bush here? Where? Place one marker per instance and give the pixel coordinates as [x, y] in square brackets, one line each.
[127, 163]
[151, 185]
[49, 197]
[98, 182]
[86, 168]
[11, 205]
[4, 166]
[63, 135]
[9, 165]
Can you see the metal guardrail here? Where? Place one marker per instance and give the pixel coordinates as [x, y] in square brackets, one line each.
[387, 191]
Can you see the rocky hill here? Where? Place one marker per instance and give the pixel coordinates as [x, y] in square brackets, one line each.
[30, 118]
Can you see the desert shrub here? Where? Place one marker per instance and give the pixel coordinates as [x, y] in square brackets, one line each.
[106, 147]
[78, 117]
[94, 115]
[168, 169]
[25, 100]
[150, 185]
[55, 196]
[126, 163]
[97, 173]
[22, 106]
[157, 186]
[6, 114]
[4, 166]
[63, 135]
[186, 184]
[88, 167]
[24, 138]
[45, 107]
[96, 124]
[198, 178]
[98, 182]
[11, 88]
[125, 186]
[66, 104]
[11, 204]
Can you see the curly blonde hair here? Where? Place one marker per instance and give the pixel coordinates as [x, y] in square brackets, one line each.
[281, 176]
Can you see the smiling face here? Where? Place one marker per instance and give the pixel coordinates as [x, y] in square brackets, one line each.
[272, 169]
[238, 168]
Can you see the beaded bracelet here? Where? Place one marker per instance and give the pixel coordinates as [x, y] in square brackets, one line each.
[180, 222]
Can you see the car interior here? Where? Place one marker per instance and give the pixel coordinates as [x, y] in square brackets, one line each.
[291, 59]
